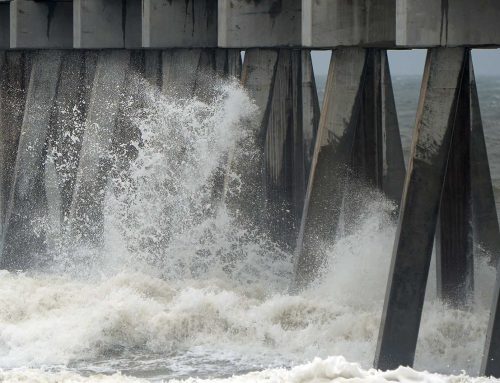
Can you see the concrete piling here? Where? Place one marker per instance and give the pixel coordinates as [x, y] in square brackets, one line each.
[23, 234]
[358, 139]
[454, 238]
[95, 163]
[418, 215]
[14, 82]
[68, 121]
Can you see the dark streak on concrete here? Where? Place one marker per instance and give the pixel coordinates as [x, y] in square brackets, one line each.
[124, 19]
[51, 6]
[444, 22]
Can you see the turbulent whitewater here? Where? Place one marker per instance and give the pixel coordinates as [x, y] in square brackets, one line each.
[184, 287]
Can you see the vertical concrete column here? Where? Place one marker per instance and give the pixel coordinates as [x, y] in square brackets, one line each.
[23, 235]
[358, 142]
[418, 216]
[95, 160]
[14, 80]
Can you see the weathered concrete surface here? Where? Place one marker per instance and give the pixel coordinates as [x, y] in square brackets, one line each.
[95, 161]
[331, 158]
[179, 24]
[393, 164]
[23, 235]
[358, 144]
[258, 74]
[427, 23]
[419, 209]
[14, 81]
[259, 23]
[310, 111]
[284, 162]
[491, 357]
[454, 237]
[228, 62]
[152, 67]
[107, 24]
[327, 23]
[68, 122]
[41, 24]
[4, 25]
[180, 68]
[484, 212]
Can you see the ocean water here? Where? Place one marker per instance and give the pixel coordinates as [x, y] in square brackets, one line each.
[183, 289]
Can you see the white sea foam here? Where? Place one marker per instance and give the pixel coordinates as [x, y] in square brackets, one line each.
[333, 369]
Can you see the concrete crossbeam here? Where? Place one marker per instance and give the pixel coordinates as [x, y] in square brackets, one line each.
[107, 24]
[263, 23]
[428, 23]
[327, 23]
[179, 24]
[41, 24]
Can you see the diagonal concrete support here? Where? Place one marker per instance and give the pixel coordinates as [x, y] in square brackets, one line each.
[436, 115]
[14, 81]
[286, 155]
[358, 137]
[490, 365]
[484, 213]
[23, 235]
[68, 121]
[95, 163]
[282, 85]
[454, 237]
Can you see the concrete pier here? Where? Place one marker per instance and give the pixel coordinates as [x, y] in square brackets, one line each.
[23, 236]
[67, 133]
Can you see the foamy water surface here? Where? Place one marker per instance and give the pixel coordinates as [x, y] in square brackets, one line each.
[184, 288]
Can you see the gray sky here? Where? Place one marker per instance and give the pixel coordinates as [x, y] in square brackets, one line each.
[486, 61]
